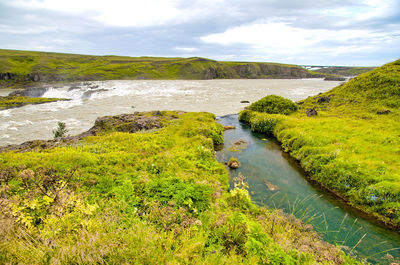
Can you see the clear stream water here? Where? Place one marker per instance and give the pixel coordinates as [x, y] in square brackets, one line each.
[264, 160]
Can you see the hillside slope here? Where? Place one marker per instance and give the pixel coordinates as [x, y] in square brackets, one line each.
[350, 140]
[23, 67]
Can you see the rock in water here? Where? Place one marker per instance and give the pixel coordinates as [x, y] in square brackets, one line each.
[229, 127]
[233, 164]
[271, 186]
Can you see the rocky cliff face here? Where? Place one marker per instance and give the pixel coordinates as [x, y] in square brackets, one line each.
[257, 70]
[25, 68]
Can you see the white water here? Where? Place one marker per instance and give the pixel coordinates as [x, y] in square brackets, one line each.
[89, 101]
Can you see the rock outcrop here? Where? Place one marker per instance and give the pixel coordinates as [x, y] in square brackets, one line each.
[130, 123]
[311, 112]
[30, 92]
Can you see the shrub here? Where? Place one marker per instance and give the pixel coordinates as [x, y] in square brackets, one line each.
[274, 105]
[60, 131]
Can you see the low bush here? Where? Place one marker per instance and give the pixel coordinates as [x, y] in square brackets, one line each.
[273, 104]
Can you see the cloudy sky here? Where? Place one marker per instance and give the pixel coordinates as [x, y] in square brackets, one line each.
[316, 32]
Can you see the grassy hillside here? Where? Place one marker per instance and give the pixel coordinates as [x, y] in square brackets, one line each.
[24, 67]
[344, 70]
[151, 197]
[352, 146]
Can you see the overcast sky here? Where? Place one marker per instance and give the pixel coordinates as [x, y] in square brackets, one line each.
[316, 32]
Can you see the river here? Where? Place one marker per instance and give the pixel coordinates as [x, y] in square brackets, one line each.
[263, 161]
[91, 100]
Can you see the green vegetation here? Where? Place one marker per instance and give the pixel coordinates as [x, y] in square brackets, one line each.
[25, 66]
[352, 146]
[274, 105]
[151, 197]
[9, 102]
[344, 70]
[60, 131]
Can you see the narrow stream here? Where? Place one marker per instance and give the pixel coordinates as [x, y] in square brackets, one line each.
[263, 162]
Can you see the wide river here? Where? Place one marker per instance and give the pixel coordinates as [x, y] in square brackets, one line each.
[262, 160]
[94, 99]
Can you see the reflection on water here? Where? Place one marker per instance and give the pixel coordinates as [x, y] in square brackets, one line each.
[94, 99]
[264, 162]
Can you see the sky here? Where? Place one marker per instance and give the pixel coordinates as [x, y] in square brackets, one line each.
[305, 32]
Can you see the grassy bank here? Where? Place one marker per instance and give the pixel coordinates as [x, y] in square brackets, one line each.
[27, 68]
[10, 102]
[151, 197]
[352, 146]
[344, 70]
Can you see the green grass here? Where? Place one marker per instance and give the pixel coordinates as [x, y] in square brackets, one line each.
[345, 70]
[348, 147]
[58, 67]
[9, 102]
[145, 198]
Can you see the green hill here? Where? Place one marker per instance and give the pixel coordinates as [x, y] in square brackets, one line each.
[352, 145]
[25, 67]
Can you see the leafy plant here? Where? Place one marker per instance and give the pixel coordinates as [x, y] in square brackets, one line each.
[60, 131]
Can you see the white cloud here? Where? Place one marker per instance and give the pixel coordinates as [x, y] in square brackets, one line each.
[281, 38]
[117, 12]
[186, 49]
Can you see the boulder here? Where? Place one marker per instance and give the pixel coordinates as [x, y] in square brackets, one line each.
[311, 112]
[324, 99]
[383, 112]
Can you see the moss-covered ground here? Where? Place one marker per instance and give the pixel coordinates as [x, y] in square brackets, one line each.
[9, 102]
[352, 146]
[151, 197]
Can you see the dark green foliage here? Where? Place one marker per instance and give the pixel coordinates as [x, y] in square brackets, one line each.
[180, 193]
[61, 130]
[273, 104]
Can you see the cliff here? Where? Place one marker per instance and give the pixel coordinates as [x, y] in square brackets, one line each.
[26, 68]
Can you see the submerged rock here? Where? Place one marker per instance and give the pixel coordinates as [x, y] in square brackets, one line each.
[229, 127]
[238, 146]
[271, 186]
[334, 78]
